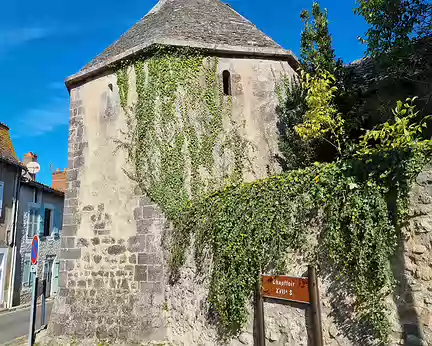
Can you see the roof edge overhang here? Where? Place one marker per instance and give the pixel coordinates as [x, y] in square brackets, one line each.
[217, 49]
[44, 187]
[12, 162]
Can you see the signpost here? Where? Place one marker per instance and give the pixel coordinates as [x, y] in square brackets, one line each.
[294, 289]
[34, 262]
[286, 288]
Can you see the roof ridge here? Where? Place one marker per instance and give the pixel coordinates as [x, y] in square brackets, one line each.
[210, 25]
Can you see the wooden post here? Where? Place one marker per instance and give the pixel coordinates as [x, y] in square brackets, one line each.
[259, 313]
[315, 307]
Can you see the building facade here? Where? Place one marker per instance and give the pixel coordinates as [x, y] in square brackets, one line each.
[10, 175]
[40, 213]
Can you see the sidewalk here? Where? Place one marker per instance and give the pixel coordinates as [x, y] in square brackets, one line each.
[24, 306]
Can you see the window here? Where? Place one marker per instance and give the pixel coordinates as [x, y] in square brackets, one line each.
[1, 197]
[47, 222]
[27, 277]
[33, 220]
[226, 82]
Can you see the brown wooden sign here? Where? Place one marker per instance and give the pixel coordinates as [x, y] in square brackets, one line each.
[285, 287]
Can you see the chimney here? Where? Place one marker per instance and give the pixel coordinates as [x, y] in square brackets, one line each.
[59, 180]
[30, 157]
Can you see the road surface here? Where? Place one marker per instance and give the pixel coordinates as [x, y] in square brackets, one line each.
[16, 323]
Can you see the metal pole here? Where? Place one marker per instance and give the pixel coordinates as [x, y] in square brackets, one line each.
[259, 310]
[43, 311]
[315, 307]
[33, 312]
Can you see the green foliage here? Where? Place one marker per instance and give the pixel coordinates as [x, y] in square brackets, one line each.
[316, 42]
[394, 23]
[403, 134]
[296, 152]
[247, 229]
[176, 125]
[321, 117]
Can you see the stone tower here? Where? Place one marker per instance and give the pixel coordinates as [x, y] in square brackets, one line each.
[113, 275]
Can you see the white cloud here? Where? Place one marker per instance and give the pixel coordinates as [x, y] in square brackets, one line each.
[41, 120]
[18, 36]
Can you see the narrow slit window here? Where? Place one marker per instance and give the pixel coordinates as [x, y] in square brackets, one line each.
[226, 75]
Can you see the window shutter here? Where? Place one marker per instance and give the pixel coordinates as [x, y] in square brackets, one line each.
[55, 277]
[41, 216]
[1, 197]
[26, 270]
[56, 222]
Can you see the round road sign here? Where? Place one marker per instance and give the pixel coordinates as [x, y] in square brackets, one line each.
[35, 250]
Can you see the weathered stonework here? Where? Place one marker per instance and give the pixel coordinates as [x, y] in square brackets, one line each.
[113, 280]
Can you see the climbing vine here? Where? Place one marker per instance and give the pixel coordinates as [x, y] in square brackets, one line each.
[176, 127]
[180, 135]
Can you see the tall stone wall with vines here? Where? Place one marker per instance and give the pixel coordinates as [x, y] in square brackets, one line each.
[190, 157]
[182, 139]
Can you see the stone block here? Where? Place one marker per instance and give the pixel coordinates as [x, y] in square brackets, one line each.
[71, 193]
[143, 226]
[151, 246]
[72, 174]
[132, 259]
[155, 273]
[97, 258]
[63, 279]
[88, 208]
[82, 284]
[136, 244]
[98, 283]
[138, 213]
[116, 249]
[67, 242]
[83, 242]
[70, 254]
[140, 273]
[69, 210]
[108, 240]
[95, 241]
[145, 258]
[71, 202]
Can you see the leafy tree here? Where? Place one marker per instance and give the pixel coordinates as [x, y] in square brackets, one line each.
[322, 118]
[316, 42]
[394, 23]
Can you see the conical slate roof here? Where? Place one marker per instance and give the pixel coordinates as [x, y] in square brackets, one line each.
[206, 24]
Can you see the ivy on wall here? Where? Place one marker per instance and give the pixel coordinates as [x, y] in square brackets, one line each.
[181, 131]
[176, 127]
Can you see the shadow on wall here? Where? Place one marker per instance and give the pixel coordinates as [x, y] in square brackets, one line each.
[404, 300]
[342, 307]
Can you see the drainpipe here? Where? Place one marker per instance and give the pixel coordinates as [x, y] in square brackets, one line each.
[13, 243]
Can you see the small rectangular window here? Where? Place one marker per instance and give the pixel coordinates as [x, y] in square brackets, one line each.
[47, 222]
[33, 220]
[1, 197]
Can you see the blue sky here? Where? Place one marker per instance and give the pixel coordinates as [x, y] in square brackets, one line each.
[43, 42]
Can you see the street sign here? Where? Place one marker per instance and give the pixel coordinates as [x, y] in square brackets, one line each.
[294, 289]
[35, 250]
[290, 288]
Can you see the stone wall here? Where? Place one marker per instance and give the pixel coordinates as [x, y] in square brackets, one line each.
[113, 281]
[113, 273]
